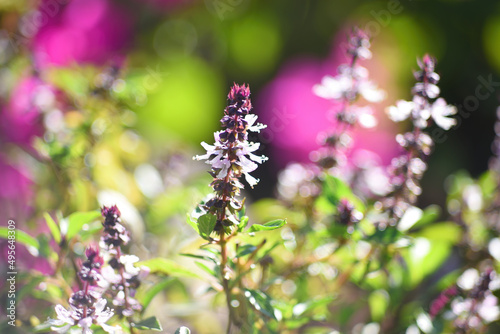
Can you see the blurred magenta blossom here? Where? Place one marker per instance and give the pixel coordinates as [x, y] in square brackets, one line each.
[84, 31]
[20, 119]
[16, 192]
[295, 115]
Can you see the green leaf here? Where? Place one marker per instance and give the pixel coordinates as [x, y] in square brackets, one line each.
[182, 330]
[334, 189]
[154, 290]
[205, 268]
[192, 223]
[378, 301]
[261, 302]
[21, 237]
[206, 224]
[164, 266]
[201, 257]
[272, 225]
[388, 236]
[431, 213]
[76, 221]
[303, 308]
[443, 231]
[243, 223]
[150, 323]
[53, 227]
[245, 250]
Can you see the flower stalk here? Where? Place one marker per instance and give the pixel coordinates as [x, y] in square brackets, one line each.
[231, 157]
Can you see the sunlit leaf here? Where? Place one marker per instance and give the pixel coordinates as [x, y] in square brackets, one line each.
[21, 237]
[150, 324]
[261, 302]
[154, 290]
[206, 225]
[334, 189]
[164, 266]
[77, 220]
[54, 229]
[272, 225]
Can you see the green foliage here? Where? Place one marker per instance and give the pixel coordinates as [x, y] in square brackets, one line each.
[269, 226]
[206, 224]
[150, 323]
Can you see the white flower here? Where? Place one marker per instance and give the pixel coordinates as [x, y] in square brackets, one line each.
[439, 110]
[252, 126]
[401, 111]
[349, 83]
[370, 92]
[69, 318]
[333, 88]
[364, 116]
[488, 309]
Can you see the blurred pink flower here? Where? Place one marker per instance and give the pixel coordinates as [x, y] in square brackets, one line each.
[20, 118]
[16, 192]
[83, 31]
[295, 115]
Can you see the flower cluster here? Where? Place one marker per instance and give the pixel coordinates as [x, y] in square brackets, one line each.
[351, 83]
[421, 108]
[86, 307]
[121, 274]
[115, 234]
[407, 170]
[232, 156]
[479, 306]
[347, 215]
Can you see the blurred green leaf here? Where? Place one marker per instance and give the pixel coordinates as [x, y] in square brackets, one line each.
[378, 301]
[164, 266]
[430, 214]
[192, 223]
[334, 189]
[388, 236]
[154, 290]
[53, 227]
[443, 231]
[149, 324]
[245, 250]
[206, 224]
[205, 268]
[21, 237]
[269, 226]
[243, 223]
[261, 302]
[302, 308]
[76, 220]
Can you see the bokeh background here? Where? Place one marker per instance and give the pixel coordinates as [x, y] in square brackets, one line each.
[154, 76]
[182, 56]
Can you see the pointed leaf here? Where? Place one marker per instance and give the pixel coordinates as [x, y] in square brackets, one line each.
[54, 229]
[206, 225]
[272, 225]
[78, 219]
[150, 323]
[164, 266]
[21, 237]
[261, 302]
[154, 290]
